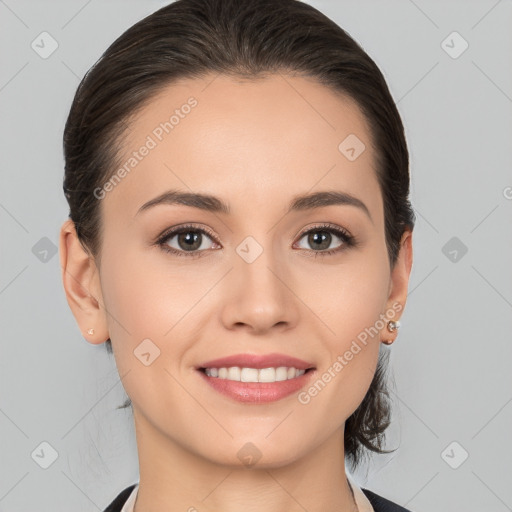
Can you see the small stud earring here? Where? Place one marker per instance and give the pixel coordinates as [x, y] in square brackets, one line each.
[90, 331]
[392, 326]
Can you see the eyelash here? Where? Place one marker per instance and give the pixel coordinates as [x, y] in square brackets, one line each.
[348, 239]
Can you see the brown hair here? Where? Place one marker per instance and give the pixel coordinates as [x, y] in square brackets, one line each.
[248, 39]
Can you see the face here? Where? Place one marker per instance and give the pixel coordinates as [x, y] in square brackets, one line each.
[184, 281]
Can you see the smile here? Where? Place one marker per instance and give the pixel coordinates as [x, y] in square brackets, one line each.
[246, 374]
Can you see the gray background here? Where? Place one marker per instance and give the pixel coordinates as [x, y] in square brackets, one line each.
[451, 362]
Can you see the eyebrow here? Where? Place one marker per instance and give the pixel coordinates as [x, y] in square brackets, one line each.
[214, 204]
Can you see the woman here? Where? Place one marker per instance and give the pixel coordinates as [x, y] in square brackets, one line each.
[240, 236]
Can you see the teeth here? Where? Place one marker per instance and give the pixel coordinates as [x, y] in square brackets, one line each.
[254, 374]
[281, 373]
[247, 375]
[234, 373]
[267, 375]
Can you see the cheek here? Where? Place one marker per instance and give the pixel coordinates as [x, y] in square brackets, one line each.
[350, 296]
[144, 303]
[133, 300]
[149, 301]
[354, 309]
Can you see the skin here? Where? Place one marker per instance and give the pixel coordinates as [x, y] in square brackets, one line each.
[255, 145]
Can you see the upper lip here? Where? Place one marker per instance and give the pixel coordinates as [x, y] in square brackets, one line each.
[257, 361]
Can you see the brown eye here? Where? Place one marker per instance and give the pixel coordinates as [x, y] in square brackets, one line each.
[321, 238]
[186, 239]
[189, 240]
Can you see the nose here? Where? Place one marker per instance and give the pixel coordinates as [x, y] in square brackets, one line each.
[258, 295]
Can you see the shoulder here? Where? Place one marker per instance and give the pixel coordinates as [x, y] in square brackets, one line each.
[120, 500]
[381, 504]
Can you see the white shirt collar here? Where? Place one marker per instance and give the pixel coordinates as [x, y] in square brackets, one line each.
[130, 502]
[362, 502]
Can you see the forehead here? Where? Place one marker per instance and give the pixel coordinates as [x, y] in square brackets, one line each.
[251, 142]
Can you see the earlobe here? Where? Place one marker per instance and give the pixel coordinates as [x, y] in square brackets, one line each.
[80, 278]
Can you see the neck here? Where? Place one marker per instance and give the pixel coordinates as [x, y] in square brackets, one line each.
[174, 477]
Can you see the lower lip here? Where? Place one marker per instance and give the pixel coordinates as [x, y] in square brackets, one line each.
[258, 392]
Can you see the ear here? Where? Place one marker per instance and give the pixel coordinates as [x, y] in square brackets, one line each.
[399, 283]
[81, 281]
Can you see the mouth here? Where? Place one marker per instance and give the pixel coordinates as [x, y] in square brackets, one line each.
[256, 378]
